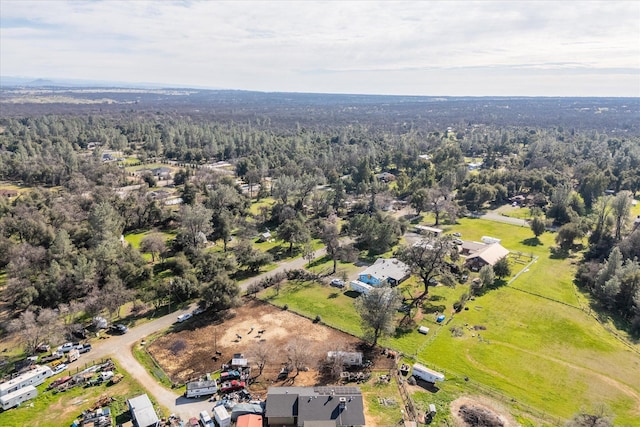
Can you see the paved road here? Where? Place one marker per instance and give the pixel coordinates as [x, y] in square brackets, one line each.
[500, 218]
[119, 348]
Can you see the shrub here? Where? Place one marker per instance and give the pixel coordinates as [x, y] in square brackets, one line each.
[285, 307]
[318, 319]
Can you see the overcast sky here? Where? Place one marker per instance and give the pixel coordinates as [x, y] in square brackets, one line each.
[570, 48]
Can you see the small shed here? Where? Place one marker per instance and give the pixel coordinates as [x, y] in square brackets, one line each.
[423, 330]
[265, 237]
[239, 361]
[142, 411]
[222, 417]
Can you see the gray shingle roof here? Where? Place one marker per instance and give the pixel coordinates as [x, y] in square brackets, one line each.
[341, 404]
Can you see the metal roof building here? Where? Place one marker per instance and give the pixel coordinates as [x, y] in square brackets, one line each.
[142, 411]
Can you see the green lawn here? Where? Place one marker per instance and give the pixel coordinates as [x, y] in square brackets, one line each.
[538, 346]
[514, 212]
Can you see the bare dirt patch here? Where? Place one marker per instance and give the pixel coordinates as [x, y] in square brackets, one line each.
[192, 350]
[479, 411]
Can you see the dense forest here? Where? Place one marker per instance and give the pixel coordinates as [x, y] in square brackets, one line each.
[575, 161]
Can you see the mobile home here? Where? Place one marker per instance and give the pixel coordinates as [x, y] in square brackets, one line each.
[15, 398]
[201, 388]
[429, 375]
[34, 377]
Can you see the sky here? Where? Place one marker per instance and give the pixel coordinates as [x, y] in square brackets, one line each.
[431, 48]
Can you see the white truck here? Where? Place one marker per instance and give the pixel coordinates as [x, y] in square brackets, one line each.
[15, 398]
[201, 388]
[421, 372]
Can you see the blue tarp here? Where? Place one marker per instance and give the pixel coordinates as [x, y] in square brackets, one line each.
[440, 318]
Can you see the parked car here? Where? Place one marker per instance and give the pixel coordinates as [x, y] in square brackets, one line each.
[43, 348]
[185, 316]
[66, 347]
[457, 235]
[60, 368]
[457, 241]
[83, 348]
[337, 283]
[197, 311]
[119, 328]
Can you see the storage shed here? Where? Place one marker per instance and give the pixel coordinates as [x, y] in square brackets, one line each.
[423, 330]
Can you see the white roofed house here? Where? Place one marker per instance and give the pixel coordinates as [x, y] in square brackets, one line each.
[488, 255]
[385, 271]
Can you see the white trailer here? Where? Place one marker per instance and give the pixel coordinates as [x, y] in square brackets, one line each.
[15, 398]
[201, 388]
[423, 373]
[348, 358]
[360, 287]
[34, 377]
[222, 417]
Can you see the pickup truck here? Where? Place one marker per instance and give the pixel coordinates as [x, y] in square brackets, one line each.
[83, 348]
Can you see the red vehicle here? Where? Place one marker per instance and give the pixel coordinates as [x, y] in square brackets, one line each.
[229, 375]
[229, 386]
[193, 422]
[60, 381]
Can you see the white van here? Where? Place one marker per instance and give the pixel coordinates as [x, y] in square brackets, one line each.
[205, 419]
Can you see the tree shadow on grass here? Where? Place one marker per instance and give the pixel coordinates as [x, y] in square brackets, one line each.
[533, 241]
[319, 261]
[498, 283]
[352, 294]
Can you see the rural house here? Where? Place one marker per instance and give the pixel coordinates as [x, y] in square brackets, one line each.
[142, 411]
[306, 406]
[385, 271]
[486, 256]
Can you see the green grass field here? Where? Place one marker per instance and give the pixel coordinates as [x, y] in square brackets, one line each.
[539, 345]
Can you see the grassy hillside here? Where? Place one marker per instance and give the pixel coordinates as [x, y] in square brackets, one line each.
[538, 345]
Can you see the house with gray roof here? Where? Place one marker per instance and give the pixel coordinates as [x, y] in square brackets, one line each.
[337, 406]
[385, 271]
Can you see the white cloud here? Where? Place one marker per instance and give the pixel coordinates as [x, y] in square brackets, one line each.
[371, 47]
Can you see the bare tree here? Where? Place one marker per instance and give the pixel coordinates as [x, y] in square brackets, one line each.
[299, 353]
[330, 237]
[153, 244]
[34, 329]
[262, 353]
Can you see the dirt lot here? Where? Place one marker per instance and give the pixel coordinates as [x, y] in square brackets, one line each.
[191, 351]
[480, 411]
